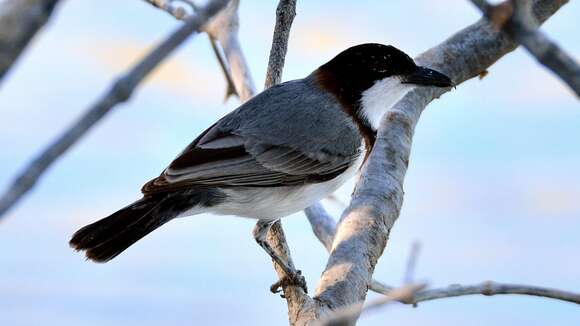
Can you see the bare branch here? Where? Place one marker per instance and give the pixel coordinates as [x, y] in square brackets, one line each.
[285, 13]
[490, 288]
[299, 303]
[230, 88]
[413, 294]
[323, 225]
[224, 28]
[523, 28]
[408, 277]
[19, 22]
[120, 92]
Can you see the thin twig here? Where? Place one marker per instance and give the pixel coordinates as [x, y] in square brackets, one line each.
[224, 28]
[285, 13]
[230, 88]
[323, 225]
[120, 92]
[523, 28]
[409, 275]
[490, 288]
[19, 22]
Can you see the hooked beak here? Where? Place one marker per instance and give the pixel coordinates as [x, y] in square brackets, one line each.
[427, 77]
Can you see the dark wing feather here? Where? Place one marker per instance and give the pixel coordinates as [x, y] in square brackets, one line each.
[244, 163]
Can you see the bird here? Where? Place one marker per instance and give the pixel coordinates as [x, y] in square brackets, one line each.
[276, 154]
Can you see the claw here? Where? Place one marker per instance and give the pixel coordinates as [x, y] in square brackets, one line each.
[294, 280]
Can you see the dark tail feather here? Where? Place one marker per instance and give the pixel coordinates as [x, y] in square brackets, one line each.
[106, 238]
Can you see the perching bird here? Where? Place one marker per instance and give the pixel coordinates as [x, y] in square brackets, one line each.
[280, 152]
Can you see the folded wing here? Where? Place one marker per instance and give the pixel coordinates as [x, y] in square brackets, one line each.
[261, 145]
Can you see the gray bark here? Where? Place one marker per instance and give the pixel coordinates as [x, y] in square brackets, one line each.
[522, 26]
[285, 13]
[20, 20]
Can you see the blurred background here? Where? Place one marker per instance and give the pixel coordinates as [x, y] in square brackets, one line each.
[492, 192]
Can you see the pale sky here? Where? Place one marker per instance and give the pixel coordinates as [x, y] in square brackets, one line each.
[491, 193]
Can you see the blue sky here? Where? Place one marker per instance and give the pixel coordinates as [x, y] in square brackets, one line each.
[491, 193]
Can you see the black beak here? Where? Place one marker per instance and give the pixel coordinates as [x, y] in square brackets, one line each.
[427, 77]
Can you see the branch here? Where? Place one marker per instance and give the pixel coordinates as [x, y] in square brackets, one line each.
[230, 88]
[224, 28]
[19, 22]
[120, 92]
[285, 13]
[299, 303]
[375, 206]
[523, 28]
[490, 288]
[324, 227]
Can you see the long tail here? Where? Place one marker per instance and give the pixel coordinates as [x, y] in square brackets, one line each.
[107, 238]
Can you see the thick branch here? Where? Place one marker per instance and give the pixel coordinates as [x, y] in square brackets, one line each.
[19, 22]
[324, 227]
[523, 28]
[363, 230]
[120, 92]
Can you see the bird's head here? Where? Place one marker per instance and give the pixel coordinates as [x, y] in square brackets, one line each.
[370, 78]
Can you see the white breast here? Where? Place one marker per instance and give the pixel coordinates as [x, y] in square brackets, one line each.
[378, 99]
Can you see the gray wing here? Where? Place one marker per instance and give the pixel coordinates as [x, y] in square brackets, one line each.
[290, 134]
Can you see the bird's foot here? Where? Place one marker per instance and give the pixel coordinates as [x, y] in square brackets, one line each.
[292, 276]
[294, 279]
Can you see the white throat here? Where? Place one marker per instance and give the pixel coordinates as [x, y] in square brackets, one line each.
[381, 97]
